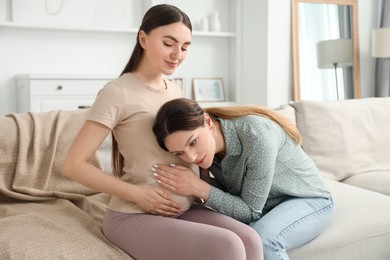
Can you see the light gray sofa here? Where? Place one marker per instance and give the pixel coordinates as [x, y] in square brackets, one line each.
[348, 140]
[350, 143]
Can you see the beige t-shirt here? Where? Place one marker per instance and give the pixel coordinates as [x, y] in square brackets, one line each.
[128, 107]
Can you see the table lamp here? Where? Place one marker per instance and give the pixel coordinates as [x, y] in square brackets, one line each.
[381, 49]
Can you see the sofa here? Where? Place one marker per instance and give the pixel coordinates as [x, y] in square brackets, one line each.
[44, 215]
[350, 143]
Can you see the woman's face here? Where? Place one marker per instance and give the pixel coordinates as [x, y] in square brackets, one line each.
[195, 146]
[166, 47]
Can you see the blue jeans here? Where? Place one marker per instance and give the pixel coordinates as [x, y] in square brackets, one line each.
[291, 224]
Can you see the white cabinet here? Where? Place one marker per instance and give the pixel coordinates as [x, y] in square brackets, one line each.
[41, 93]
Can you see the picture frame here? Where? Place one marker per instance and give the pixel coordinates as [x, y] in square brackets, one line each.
[208, 89]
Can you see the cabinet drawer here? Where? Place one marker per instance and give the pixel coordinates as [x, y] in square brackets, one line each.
[43, 105]
[68, 87]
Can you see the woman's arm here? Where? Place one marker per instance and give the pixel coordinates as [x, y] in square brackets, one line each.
[77, 166]
[252, 182]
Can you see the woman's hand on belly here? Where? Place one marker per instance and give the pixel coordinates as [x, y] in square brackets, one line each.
[181, 180]
[155, 200]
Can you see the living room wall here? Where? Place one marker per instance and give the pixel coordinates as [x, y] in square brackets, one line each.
[266, 53]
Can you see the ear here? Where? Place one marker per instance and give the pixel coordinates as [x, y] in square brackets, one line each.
[208, 121]
[142, 39]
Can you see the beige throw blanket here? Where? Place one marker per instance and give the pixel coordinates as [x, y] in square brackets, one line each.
[44, 215]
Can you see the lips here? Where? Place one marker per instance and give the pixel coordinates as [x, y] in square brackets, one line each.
[172, 64]
[200, 161]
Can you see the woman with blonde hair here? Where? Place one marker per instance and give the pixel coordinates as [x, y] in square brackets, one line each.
[261, 175]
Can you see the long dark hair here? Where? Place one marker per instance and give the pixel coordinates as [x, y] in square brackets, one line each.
[183, 114]
[156, 16]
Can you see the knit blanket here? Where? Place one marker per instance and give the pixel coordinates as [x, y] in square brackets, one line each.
[44, 215]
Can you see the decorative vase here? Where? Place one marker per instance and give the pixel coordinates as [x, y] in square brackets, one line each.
[215, 23]
[204, 24]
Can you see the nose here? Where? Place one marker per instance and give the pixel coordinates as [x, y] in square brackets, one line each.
[176, 53]
[190, 157]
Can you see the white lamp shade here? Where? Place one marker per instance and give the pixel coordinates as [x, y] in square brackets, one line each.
[333, 52]
[381, 43]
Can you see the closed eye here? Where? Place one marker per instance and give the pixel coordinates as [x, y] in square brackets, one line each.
[184, 49]
[178, 154]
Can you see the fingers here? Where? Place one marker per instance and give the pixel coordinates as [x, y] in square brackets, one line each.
[170, 171]
[166, 211]
[165, 178]
[166, 200]
[171, 168]
[156, 200]
[165, 196]
[168, 208]
[179, 167]
[166, 182]
[174, 179]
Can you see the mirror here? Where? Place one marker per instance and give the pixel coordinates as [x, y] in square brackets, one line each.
[325, 49]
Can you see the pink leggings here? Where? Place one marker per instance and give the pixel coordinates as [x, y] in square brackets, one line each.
[197, 234]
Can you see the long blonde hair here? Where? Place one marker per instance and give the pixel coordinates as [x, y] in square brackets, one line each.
[238, 111]
[185, 114]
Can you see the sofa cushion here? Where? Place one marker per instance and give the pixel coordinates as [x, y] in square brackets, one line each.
[348, 137]
[359, 229]
[375, 181]
[287, 111]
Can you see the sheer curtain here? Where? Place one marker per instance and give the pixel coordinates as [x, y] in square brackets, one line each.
[319, 22]
[382, 66]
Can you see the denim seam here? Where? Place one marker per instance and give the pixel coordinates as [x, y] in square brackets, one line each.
[307, 217]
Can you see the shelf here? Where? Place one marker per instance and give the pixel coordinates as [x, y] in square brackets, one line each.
[66, 28]
[213, 34]
[217, 104]
[66, 76]
[12, 25]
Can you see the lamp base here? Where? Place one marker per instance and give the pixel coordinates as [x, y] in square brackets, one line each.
[337, 85]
